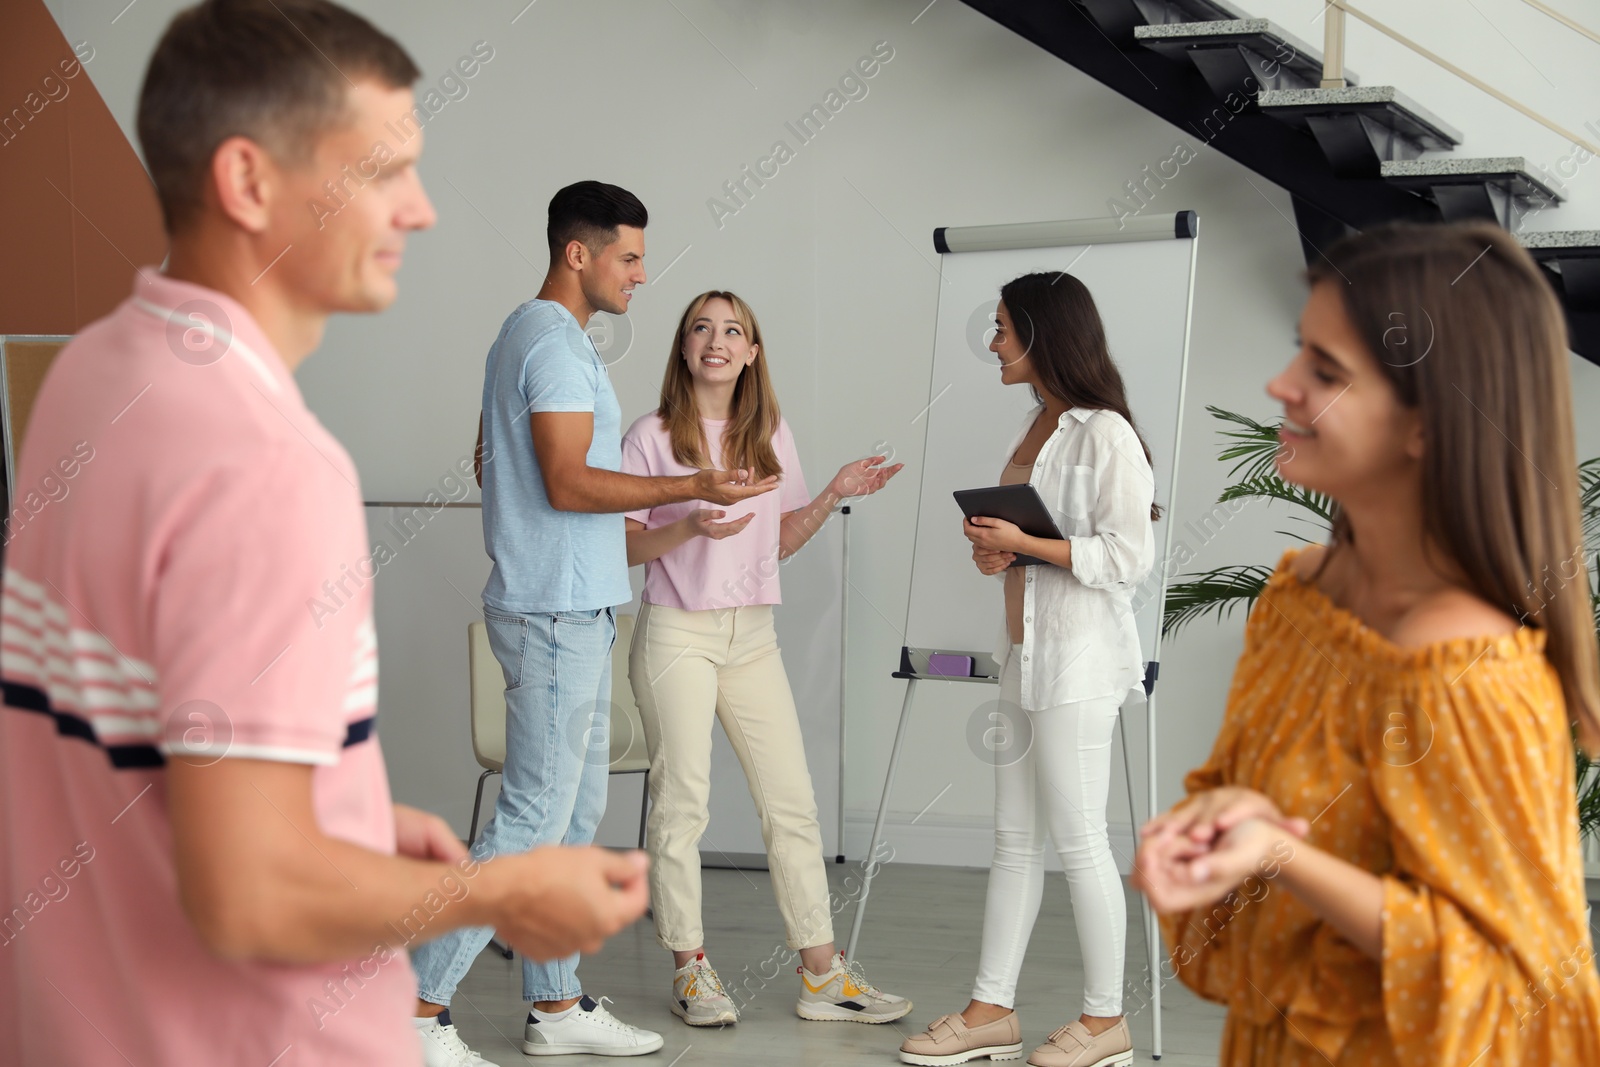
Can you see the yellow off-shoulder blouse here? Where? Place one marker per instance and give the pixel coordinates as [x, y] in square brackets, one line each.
[1447, 771]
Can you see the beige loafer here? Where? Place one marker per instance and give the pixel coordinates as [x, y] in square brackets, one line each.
[950, 1040]
[1074, 1046]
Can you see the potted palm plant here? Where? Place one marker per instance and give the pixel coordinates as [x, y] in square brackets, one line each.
[1250, 446]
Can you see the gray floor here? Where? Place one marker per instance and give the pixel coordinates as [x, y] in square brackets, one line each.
[920, 940]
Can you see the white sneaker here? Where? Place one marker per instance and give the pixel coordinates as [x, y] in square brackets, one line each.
[442, 1046]
[845, 995]
[587, 1029]
[697, 995]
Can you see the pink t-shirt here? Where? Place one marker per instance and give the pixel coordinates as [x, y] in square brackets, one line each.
[705, 573]
[187, 573]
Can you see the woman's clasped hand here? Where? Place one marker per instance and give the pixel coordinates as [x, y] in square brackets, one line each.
[1204, 848]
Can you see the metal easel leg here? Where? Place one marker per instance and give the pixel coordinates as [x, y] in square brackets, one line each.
[877, 827]
[1147, 917]
[1153, 931]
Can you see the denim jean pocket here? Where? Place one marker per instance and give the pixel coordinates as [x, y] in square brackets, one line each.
[587, 619]
[580, 618]
[508, 638]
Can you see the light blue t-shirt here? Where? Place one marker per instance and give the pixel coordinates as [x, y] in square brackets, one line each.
[547, 560]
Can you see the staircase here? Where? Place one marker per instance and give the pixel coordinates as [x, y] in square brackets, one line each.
[1350, 156]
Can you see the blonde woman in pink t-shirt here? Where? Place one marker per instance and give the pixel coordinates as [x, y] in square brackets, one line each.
[704, 646]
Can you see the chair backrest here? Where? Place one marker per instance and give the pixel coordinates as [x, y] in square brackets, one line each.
[628, 750]
[488, 703]
[488, 699]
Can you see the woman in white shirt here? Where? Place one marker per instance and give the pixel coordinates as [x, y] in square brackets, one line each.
[1069, 655]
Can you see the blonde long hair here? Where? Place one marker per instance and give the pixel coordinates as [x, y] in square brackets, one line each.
[747, 438]
[1465, 327]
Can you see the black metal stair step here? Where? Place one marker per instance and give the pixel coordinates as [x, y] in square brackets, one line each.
[1359, 128]
[1575, 254]
[1227, 52]
[1572, 258]
[1502, 188]
[1118, 19]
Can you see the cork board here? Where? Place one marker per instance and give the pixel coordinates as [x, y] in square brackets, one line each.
[24, 361]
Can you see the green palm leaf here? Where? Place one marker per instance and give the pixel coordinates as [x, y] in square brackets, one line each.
[1218, 591]
[1255, 445]
[1274, 488]
[1588, 793]
[1589, 499]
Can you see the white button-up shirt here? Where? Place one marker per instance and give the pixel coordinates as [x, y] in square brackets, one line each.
[1079, 640]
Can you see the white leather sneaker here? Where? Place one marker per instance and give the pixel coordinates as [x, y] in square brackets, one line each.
[698, 997]
[442, 1046]
[587, 1029]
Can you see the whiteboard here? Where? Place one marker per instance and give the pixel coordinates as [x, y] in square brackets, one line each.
[1144, 290]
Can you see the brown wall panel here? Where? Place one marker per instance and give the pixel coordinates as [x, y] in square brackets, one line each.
[77, 210]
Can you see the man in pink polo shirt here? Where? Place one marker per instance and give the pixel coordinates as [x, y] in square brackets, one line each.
[201, 863]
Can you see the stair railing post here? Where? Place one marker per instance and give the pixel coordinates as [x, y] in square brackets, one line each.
[1333, 46]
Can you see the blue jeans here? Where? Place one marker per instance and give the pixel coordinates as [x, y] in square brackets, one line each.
[558, 714]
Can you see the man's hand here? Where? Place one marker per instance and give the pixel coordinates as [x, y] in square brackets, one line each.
[700, 523]
[730, 487]
[422, 835]
[557, 900]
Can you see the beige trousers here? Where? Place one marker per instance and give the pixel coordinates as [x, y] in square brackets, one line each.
[685, 667]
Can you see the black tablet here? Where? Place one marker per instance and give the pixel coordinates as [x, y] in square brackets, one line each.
[1018, 504]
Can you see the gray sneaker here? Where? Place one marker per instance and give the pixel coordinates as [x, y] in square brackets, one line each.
[697, 995]
[845, 995]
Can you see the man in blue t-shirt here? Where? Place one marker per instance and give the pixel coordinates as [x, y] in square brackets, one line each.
[551, 442]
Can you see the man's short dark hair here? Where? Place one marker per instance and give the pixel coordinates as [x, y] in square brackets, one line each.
[591, 212]
[275, 71]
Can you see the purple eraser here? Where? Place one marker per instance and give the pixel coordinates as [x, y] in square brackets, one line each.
[950, 666]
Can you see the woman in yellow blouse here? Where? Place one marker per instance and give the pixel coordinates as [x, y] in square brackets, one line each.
[1379, 863]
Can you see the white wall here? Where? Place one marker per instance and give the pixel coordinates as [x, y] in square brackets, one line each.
[967, 124]
[1515, 48]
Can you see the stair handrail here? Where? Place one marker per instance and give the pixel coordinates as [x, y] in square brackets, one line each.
[1577, 27]
[1333, 63]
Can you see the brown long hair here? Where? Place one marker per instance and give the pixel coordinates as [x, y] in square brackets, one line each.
[1055, 318]
[1470, 334]
[747, 438]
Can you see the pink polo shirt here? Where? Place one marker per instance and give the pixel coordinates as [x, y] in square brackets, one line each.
[705, 573]
[186, 575]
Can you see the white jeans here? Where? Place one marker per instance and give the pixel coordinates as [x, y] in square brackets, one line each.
[1058, 786]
